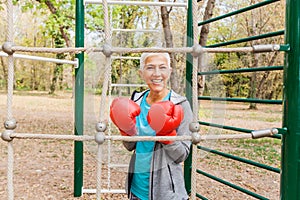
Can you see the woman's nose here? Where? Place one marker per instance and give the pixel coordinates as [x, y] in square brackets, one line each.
[157, 71]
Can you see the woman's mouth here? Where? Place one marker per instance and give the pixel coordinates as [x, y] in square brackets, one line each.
[157, 80]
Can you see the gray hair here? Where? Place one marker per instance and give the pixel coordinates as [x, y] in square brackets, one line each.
[144, 56]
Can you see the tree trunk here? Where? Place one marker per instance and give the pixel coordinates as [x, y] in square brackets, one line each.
[205, 28]
[56, 73]
[253, 82]
[252, 30]
[202, 41]
[265, 76]
[169, 44]
[59, 43]
[58, 70]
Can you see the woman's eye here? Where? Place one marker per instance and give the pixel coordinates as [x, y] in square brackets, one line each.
[149, 68]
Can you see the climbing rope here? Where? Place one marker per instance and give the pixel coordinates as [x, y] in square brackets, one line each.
[10, 84]
[41, 136]
[194, 96]
[254, 49]
[107, 52]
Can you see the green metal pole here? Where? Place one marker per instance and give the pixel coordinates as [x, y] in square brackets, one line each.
[79, 89]
[188, 90]
[290, 164]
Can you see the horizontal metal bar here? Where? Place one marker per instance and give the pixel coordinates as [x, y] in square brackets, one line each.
[249, 100]
[232, 128]
[201, 197]
[138, 3]
[136, 30]
[225, 136]
[247, 161]
[117, 165]
[126, 57]
[39, 58]
[232, 185]
[93, 191]
[247, 39]
[242, 70]
[128, 85]
[225, 127]
[260, 4]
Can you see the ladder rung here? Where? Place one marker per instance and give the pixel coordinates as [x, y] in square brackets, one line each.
[128, 85]
[117, 165]
[125, 57]
[136, 30]
[93, 191]
[138, 3]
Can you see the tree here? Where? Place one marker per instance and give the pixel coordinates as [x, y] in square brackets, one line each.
[210, 5]
[59, 24]
[255, 22]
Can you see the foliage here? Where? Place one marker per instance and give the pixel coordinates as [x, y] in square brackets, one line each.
[259, 21]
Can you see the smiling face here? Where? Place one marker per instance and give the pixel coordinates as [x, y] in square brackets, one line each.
[156, 73]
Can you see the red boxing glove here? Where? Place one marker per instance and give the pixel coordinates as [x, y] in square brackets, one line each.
[123, 112]
[164, 117]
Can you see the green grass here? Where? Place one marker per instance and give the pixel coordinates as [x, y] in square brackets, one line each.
[266, 150]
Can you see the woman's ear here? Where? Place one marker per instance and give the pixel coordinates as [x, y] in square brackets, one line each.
[170, 72]
[140, 73]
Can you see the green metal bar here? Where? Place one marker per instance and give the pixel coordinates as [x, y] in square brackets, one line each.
[247, 39]
[249, 162]
[242, 70]
[226, 127]
[201, 197]
[232, 128]
[79, 90]
[188, 91]
[266, 101]
[232, 185]
[260, 4]
[284, 47]
[290, 162]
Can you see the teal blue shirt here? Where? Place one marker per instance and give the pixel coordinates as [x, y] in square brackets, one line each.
[140, 182]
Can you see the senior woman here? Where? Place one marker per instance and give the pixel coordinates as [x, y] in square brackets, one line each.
[155, 170]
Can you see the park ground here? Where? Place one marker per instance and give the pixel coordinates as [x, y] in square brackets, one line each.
[43, 169]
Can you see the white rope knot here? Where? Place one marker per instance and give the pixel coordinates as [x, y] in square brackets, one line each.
[7, 48]
[107, 50]
[6, 135]
[195, 128]
[10, 124]
[196, 138]
[100, 138]
[197, 50]
[101, 127]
